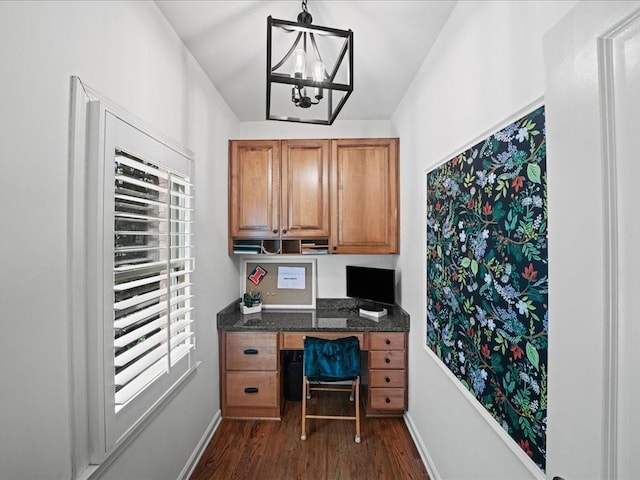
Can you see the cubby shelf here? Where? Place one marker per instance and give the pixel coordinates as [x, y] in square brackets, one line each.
[289, 246]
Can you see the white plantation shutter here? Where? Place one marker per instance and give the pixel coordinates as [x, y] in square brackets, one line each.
[140, 263]
[152, 268]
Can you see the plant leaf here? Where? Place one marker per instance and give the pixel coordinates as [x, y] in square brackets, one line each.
[533, 355]
[533, 172]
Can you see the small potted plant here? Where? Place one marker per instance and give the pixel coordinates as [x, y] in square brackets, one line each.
[251, 303]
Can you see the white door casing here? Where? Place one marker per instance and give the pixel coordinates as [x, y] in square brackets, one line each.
[589, 306]
[621, 47]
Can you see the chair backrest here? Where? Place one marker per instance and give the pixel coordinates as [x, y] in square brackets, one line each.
[331, 360]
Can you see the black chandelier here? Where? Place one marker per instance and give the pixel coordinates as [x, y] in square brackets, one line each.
[300, 87]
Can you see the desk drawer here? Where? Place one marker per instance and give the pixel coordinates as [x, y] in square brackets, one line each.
[252, 389]
[387, 398]
[387, 378]
[295, 340]
[387, 341]
[252, 351]
[383, 360]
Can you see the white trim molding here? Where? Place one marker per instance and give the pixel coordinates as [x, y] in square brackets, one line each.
[614, 328]
[197, 453]
[422, 449]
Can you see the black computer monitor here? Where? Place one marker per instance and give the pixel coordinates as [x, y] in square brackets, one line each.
[377, 285]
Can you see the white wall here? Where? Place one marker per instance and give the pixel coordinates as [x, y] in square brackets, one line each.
[339, 129]
[127, 52]
[486, 66]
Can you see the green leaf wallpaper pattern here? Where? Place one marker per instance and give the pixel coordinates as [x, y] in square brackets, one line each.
[487, 283]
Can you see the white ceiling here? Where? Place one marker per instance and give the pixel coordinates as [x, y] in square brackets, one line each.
[391, 40]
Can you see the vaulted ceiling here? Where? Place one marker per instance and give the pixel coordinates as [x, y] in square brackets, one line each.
[391, 40]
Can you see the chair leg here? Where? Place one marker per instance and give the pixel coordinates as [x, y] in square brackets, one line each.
[357, 388]
[305, 384]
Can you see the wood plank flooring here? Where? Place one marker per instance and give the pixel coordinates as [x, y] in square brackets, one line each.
[272, 450]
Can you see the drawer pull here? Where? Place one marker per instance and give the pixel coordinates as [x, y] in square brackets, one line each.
[387, 379]
[251, 390]
[387, 341]
[387, 360]
[251, 351]
[387, 400]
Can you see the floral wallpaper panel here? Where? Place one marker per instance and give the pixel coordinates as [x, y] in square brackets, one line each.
[487, 282]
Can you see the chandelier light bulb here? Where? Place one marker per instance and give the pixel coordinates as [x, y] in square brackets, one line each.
[318, 71]
[299, 64]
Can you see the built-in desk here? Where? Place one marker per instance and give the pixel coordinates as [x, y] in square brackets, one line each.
[252, 349]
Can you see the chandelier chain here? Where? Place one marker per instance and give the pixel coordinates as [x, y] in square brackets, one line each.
[304, 6]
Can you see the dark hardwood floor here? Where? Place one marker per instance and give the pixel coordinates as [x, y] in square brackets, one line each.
[272, 450]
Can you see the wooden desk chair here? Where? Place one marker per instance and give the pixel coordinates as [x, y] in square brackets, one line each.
[326, 362]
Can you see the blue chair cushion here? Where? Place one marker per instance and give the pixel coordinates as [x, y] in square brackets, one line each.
[331, 360]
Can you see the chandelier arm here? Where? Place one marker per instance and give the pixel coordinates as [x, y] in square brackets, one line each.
[302, 100]
[343, 52]
[288, 54]
[315, 48]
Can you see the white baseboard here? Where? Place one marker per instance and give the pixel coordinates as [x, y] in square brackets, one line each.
[422, 450]
[191, 464]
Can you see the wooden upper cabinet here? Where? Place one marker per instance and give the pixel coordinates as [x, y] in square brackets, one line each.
[305, 188]
[364, 196]
[254, 188]
[279, 189]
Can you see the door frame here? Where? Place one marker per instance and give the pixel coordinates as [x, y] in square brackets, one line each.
[580, 78]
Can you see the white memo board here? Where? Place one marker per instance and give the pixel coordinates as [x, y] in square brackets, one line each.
[286, 283]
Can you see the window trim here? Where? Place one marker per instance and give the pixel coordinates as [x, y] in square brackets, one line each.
[96, 443]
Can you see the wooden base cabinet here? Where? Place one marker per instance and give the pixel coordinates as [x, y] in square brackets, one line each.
[250, 384]
[386, 393]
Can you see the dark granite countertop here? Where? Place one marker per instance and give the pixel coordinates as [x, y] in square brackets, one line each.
[330, 315]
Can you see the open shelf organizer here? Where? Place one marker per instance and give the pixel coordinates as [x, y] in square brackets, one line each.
[281, 246]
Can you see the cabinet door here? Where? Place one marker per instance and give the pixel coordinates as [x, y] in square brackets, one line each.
[305, 188]
[364, 196]
[254, 188]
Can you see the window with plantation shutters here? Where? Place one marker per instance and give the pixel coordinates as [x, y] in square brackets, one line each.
[152, 268]
[141, 323]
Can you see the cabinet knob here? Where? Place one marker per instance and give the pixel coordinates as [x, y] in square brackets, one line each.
[387, 399]
[275, 231]
[387, 360]
[387, 341]
[251, 351]
[284, 231]
[251, 390]
[387, 379]
[335, 248]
